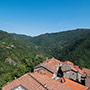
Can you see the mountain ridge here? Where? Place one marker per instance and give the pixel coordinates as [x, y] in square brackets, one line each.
[20, 53]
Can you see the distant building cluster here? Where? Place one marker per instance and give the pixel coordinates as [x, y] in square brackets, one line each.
[53, 74]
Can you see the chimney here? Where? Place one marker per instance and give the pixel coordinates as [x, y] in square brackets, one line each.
[62, 80]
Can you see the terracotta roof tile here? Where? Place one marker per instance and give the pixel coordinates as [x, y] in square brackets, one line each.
[86, 70]
[50, 83]
[50, 64]
[74, 85]
[70, 83]
[74, 69]
[68, 62]
[43, 72]
[41, 80]
[67, 67]
[26, 81]
[36, 81]
[77, 67]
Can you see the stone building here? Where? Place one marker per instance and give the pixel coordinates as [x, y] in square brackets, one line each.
[59, 69]
[52, 74]
[71, 73]
[41, 80]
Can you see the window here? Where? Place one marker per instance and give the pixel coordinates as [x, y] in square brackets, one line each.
[20, 87]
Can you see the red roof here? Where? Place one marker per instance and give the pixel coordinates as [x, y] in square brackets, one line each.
[85, 70]
[36, 81]
[41, 80]
[51, 83]
[67, 82]
[50, 64]
[77, 67]
[68, 62]
[74, 85]
[43, 72]
[26, 81]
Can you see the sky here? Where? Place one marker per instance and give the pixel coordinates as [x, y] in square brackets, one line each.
[35, 17]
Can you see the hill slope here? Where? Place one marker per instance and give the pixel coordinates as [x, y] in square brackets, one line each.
[77, 51]
[17, 57]
[60, 37]
[48, 42]
[68, 45]
[20, 53]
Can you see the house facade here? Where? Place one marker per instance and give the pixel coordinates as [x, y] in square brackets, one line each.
[71, 73]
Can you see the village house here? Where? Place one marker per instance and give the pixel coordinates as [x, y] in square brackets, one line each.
[70, 72]
[86, 77]
[42, 80]
[52, 74]
[49, 65]
[66, 69]
[35, 81]
[59, 69]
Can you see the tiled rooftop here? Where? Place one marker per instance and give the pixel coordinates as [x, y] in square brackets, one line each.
[42, 79]
[50, 83]
[85, 70]
[69, 83]
[43, 72]
[36, 81]
[68, 62]
[50, 64]
[26, 81]
[74, 85]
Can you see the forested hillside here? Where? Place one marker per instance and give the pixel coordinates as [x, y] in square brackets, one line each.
[49, 42]
[73, 45]
[17, 57]
[77, 51]
[20, 53]
[69, 45]
[59, 38]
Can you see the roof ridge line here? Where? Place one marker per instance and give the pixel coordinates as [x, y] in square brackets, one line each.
[37, 81]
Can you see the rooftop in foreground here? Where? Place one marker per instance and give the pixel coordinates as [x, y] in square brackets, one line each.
[36, 81]
[42, 79]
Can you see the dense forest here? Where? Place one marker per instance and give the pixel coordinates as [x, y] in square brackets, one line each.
[17, 57]
[20, 53]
